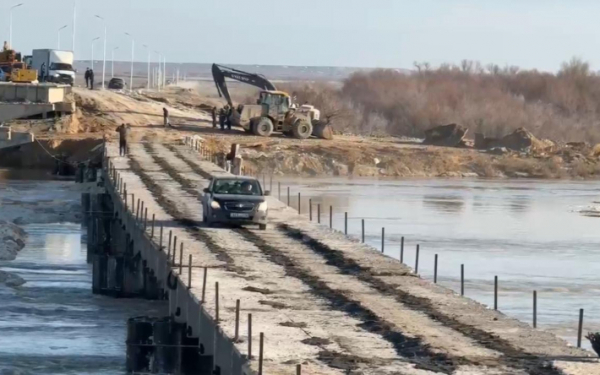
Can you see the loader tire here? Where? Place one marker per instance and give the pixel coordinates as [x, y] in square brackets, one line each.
[302, 129]
[264, 127]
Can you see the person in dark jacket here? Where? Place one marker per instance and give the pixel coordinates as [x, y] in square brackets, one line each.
[123, 131]
[43, 73]
[87, 77]
[166, 117]
[91, 79]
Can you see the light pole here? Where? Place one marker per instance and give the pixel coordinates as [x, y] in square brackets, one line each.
[164, 71]
[59, 30]
[158, 74]
[132, 57]
[93, 41]
[148, 48]
[112, 70]
[10, 21]
[104, 59]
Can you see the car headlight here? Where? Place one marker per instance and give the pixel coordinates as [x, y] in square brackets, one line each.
[215, 205]
[262, 207]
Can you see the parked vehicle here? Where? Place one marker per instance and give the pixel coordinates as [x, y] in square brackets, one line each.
[116, 84]
[58, 65]
[235, 200]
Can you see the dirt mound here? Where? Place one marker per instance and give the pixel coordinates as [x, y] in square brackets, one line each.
[445, 135]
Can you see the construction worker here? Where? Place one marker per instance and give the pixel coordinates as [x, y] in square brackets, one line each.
[123, 131]
[43, 73]
[228, 119]
[166, 117]
[222, 117]
[87, 77]
[91, 79]
[214, 116]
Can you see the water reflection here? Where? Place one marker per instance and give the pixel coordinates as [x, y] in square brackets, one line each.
[444, 203]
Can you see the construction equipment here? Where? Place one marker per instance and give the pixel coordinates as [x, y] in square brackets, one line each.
[273, 111]
[13, 67]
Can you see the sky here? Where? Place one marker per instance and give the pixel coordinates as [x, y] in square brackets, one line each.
[538, 34]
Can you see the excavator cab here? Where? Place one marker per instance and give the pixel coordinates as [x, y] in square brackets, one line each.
[275, 104]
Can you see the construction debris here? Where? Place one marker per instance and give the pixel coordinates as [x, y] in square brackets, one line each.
[451, 135]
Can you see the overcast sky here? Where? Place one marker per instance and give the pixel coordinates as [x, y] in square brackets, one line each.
[367, 33]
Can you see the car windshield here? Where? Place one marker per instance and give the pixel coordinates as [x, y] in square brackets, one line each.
[236, 187]
[60, 66]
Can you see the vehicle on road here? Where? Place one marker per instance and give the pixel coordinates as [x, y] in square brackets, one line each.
[235, 200]
[116, 84]
[57, 64]
[273, 111]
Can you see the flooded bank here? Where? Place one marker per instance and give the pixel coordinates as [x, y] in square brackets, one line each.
[535, 235]
[53, 324]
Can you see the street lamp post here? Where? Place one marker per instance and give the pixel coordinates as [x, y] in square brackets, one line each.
[59, 30]
[10, 22]
[158, 74]
[164, 72]
[112, 70]
[104, 59]
[148, 48]
[93, 42]
[132, 57]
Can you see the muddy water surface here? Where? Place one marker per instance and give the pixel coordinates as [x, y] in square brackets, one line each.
[54, 324]
[535, 235]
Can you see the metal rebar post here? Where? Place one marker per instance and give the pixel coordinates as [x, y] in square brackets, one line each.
[137, 211]
[204, 284]
[180, 258]
[279, 189]
[153, 223]
[237, 321]
[580, 328]
[160, 245]
[346, 223]
[402, 250]
[298, 369]
[435, 268]
[495, 292]
[249, 336]
[462, 279]
[125, 199]
[145, 218]
[169, 247]
[288, 196]
[299, 204]
[363, 230]
[261, 348]
[330, 217]
[264, 180]
[382, 240]
[319, 213]
[190, 273]
[534, 309]
[217, 302]
[174, 250]
[417, 259]
[310, 209]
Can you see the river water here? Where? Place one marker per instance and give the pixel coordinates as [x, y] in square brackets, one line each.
[534, 235]
[53, 324]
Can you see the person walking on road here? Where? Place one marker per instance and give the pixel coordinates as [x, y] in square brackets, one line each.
[87, 77]
[123, 131]
[91, 79]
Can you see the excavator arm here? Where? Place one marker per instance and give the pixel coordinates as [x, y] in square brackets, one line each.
[221, 72]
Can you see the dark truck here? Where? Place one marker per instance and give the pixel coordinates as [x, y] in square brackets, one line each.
[235, 200]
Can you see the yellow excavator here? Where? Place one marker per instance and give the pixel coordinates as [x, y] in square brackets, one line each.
[273, 111]
[13, 68]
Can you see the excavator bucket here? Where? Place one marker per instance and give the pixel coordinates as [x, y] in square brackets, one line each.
[322, 130]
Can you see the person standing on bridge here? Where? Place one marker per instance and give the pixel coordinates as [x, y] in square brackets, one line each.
[123, 135]
[87, 77]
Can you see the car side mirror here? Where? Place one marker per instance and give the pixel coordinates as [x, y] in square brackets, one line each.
[206, 190]
[267, 193]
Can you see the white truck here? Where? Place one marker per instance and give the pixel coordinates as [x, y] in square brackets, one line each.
[54, 65]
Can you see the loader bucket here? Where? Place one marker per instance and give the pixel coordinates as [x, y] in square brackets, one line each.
[323, 131]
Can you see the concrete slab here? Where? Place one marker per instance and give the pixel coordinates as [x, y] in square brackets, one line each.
[8, 138]
[33, 93]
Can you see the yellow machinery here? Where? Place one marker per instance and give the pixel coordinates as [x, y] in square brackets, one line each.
[14, 69]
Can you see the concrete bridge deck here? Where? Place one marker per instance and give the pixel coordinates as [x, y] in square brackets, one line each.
[322, 300]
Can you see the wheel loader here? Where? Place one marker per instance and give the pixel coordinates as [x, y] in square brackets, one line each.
[273, 111]
[14, 69]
